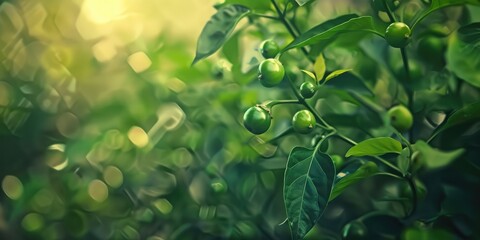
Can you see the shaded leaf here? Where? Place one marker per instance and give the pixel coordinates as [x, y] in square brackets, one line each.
[463, 53]
[424, 234]
[350, 82]
[319, 67]
[309, 177]
[403, 161]
[218, 29]
[310, 75]
[467, 114]
[375, 147]
[438, 4]
[435, 158]
[352, 174]
[332, 28]
[336, 73]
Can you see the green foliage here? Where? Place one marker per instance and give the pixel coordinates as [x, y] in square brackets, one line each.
[309, 177]
[219, 29]
[375, 147]
[352, 174]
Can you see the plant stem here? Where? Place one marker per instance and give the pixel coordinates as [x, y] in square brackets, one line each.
[413, 187]
[408, 89]
[288, 27]
[389, 12]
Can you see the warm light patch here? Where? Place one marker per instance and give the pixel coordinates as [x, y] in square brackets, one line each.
[113, 176]
[104, 50]
[103, 11]
[163, 205]
[98, 190]
[138, 137]
[139, 62]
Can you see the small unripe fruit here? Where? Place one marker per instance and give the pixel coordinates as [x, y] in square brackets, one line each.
[400, 118]
[307, 89]
[271, 72]
[269, 49]
[257, 120]
[398, 34]
[303, 121]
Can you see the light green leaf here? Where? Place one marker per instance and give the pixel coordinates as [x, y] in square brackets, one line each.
[302, 2]
[403, 161]
[435, 158]
[319, 67]
[467, 114]
[336, 73]
[310, 74]
[375, 147]
[463, 53]
[309, 177]
[352, 174]
[218, 29]
[332, 28]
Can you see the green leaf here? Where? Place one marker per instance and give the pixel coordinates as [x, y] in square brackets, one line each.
[438, 4]
[375, 147]
[403, 161]
[427, 234]
[303, 2]
[309, 177]
[352, 83]
[310, 74]
[332, 28]
[319, 67]
[352, 174]
[336, 73]
[218, 29]
[463, 53]
[435, 158]
[467, 114]
[257, 5]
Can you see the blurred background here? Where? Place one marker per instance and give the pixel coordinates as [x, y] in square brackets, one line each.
[107, 132]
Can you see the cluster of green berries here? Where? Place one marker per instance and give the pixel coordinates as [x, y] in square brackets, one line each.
[257, 119]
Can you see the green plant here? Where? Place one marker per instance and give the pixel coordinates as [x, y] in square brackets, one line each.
[257, 120]
[269, 49]
[343, 101]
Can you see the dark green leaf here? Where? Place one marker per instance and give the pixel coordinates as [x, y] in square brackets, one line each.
[463, 54]
[350, 82]
[332, 28]
[375, 147]
[352, 174]
[218, 29]
[467, 114]
[308, 183]
[438, 4]
[434, 158]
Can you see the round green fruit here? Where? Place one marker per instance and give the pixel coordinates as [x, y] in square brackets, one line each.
[303, 121]
[354, 230]
[269, 49]
[271, 72]
[400, 118]
[257, 120]
[398, 34]
[307, 89]
[337, 161]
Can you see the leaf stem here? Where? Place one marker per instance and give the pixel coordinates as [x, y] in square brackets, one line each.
[264, 16]
[389, 12]
[272, 103]
[288, 27]
[413, 187]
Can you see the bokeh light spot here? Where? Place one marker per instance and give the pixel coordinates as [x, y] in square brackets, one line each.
[67, 124]
[104, 50]
[33, 222]
[98, 190]
[103, 11]
[12, 186]
[6, 93]
[113, 176]
[138, 137]
[55, 157]
[139, 62]
[163, 206]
